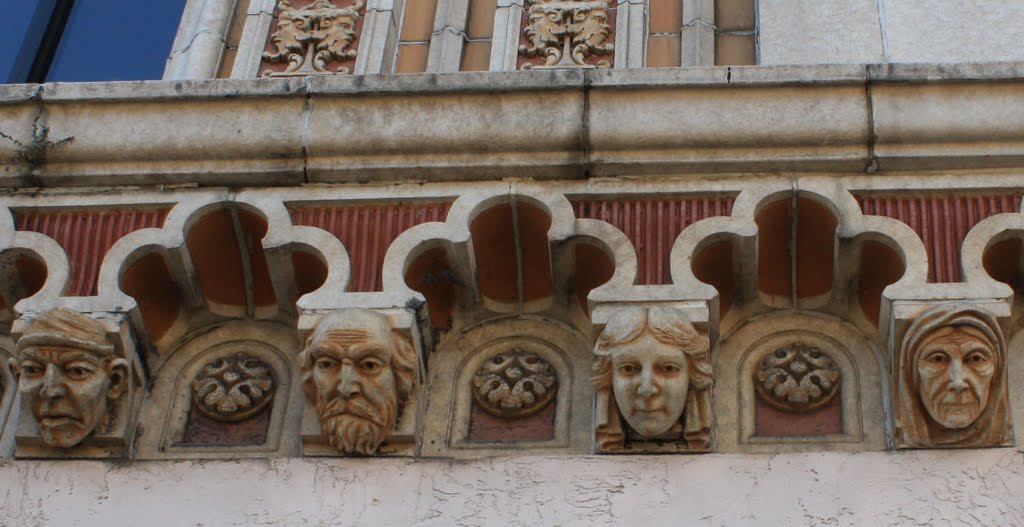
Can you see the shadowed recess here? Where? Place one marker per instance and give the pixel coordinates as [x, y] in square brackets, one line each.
[594, 267]
[773, 248]
[652, 225]
[431, 274]
[942, 221]
[23, 274]
[879, 266]
[367, 231]
[149, 282]
[713, 265]
[309, 270]
[513, 260]
[815, 248]
[86, 236]
[226, 252]
[1002, 262]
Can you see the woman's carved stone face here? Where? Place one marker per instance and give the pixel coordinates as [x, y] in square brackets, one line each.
[955, 366]
[650, 381]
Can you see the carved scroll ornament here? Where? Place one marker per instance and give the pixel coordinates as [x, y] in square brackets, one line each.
[567, 33]
[797, 379]
[309, 38]
[652, 371]
[952, 381]
[234, 388]
[514, 384]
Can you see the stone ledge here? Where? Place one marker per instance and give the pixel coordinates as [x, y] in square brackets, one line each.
[539, 124]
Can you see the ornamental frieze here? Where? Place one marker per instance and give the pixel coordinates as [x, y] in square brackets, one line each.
[567, 34]
[313, 39]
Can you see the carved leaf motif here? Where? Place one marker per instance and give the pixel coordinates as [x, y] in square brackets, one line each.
[233, 388]
[311, 37]
[797, 378]
[567, 33]
[514, 384]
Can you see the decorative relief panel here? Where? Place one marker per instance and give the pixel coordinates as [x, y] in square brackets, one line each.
[514, 384]
[951, 381]
[653, 379]
[315, 39]
[797, 378]
[567, 34]
[223, 394]
[361, 377]
[76, 382]
[796, 382]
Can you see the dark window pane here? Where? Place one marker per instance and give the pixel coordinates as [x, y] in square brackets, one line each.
[116, 40]
[21, 29]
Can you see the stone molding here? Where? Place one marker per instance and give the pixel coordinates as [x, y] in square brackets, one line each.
[702, 120]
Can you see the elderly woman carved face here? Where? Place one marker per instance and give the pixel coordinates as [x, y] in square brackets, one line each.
[658, 368]
[68, 374]
[952, 380]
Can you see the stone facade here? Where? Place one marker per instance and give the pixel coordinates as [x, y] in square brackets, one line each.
[490, 297]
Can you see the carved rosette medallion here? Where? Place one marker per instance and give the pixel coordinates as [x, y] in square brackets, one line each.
[797, 378]
[567, 33]
[309, 38]
[234, 388]
[515, 384]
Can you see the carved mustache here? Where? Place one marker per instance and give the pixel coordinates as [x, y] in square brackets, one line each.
[356, 406]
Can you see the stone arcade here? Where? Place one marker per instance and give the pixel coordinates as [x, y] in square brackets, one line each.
[623, 276]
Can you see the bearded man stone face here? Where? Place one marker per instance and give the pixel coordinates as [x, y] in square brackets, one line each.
[358, 373]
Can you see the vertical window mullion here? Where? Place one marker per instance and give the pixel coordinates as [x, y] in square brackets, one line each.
[60, 12]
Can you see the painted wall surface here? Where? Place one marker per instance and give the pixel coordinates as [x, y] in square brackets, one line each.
[976, 487]
[867, 31]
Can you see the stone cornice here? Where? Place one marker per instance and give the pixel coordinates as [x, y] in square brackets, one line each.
[540, 124]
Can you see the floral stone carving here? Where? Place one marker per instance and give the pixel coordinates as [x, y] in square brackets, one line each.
[797, 378]
[951, 382]
[566, 33]
[514, 384]
[358, 373]
[309, 38]
[234, 388]
[653, 371]
[69, 374]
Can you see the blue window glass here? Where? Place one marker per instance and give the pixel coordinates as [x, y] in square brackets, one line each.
[87, 40]
[107, 40]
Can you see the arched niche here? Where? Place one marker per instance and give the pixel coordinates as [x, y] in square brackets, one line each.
[457, 424]
[229, 391]
[756, 413]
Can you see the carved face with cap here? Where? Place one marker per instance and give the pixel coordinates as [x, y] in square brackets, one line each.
[358, 373]
[68, 375]
[955, 366]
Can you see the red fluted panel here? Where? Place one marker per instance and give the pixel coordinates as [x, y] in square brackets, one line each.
[367, 232]
[653, 224]
[86, 236]
[942, 221]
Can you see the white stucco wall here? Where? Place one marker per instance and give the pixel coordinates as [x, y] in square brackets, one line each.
[866, 31]
[977, 487]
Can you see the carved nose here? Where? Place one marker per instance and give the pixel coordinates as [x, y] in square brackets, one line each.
[956, 377]
[349, 384]
[647, 387]
[52, 385]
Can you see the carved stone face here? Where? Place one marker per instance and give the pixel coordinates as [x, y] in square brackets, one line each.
[69, 390]
[650, 382]
[356, 390]
[955, 365]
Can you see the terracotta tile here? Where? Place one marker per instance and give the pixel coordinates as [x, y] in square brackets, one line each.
[663, 52]
[412, 58]
[734, 50]
[476, 56]
[666, 16]
[227, 63]
[481, 19]
[734, 15]
[419, 20]
[769, 422]
[815, 243]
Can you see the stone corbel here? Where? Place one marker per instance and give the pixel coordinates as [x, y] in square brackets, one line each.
[618, 327]
[949, 373]
[118, 399]
[363, 397]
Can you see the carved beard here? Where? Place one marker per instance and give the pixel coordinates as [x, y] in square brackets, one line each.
[355, 426]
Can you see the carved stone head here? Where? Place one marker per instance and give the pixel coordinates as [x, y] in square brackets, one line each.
[658, 370]
[358, 373]
[68, 374]
[952, 380]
